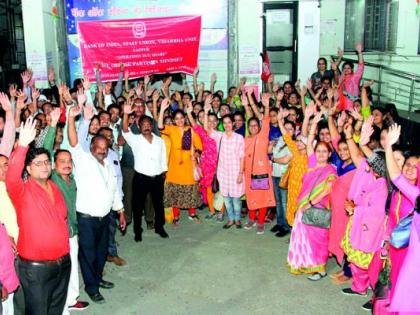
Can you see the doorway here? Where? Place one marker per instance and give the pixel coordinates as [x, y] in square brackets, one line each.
[280, 39]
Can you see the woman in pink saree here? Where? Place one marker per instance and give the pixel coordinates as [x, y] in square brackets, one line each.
[308, 249]
[407, 189]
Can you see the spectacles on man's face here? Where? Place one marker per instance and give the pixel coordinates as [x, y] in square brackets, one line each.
[41, 163]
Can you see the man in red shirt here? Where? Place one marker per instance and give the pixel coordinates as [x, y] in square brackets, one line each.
[43, 243]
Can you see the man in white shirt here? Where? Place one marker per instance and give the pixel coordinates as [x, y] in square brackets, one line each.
[150, 165]
[97, 194]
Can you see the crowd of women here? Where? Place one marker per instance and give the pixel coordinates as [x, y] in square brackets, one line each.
[319, 157]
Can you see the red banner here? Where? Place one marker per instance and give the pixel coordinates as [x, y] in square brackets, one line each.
[144, 46]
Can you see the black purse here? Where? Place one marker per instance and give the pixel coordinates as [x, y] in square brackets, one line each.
[215, 187]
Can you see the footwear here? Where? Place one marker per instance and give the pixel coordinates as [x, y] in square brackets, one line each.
[317, 276]
[150, 225]
[367, 306]
[194, 218]
[138, 238]
[79, 306]
[282, 232]
[210, 216]
[260, 229]
[349, 291]
[97, 298]
[162, 233]
[106, 284]
[249, 225]
[341, 280]
[337, 274]
[238, 224]
[220, 217]
[116, 260]
[228, 225]
[176, 222]
[275, 228]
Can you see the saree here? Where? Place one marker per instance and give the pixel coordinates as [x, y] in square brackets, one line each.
[308, 249]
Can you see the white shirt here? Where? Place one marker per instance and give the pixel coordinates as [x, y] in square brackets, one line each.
[114, 160]
[97, 191]
[149, 158]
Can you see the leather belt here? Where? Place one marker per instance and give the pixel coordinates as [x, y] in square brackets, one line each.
[58, 261]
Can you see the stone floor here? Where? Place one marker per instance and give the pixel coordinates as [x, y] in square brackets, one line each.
[203, 269]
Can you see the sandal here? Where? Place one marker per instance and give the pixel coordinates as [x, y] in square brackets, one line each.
[176, 222]
[317, 276]
[228, 225]
[194, 218]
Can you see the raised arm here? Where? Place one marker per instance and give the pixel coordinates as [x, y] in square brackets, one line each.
[71, 130]
[163, 106]
[312, 133]
[213, 80]
[355, 155]
[189, 114]
[128, 109]
[265, 100]
[391, 138]
[309, 111]
[367, 131]
[50, 137]
[9, 131]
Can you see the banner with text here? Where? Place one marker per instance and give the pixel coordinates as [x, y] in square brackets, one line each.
[144, 46]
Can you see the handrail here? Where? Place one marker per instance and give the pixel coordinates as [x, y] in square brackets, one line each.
[404, 74]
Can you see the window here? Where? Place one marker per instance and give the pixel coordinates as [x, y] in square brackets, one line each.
[371, 22]
[418, 45]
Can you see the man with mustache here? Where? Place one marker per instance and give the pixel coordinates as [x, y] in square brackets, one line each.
[97, 195]
[150, 165]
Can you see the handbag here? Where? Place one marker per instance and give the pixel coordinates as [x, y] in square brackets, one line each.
[400, 236]
[215, 187]
[258, 182]
[319, 217]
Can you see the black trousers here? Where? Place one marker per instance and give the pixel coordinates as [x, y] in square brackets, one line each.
[44, 285]
[142, 185]
[93, 249]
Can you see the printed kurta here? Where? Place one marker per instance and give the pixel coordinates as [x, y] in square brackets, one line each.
[256, 149]
[231, 151]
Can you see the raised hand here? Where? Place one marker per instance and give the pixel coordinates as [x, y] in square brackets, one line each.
[367, 131]
[165, 104]
[12, 90]
[340, 52]
[309, 84]
[21, 96]
[368, 83]
[356, 114]
[55, 116]
[146, 80]
[178, 97]
[348, 129]
[265, 99]
[155, 96]
[149, 92]
[270, 78]
[86, 84]
[208, 100]
[5, 102]
[201, 87]
[359, 48]
[276, 87]
[35, 94]
[190, 108]
[242, 82]
[392, 136]
[186, 88]
[280, 95]
[317, 118]
[75, 111]
[88, 112]
[207, 107]
[196, 71]
[26, 76]
[244, 100]
[341, 119]
[127, 109]
[310, 109]
[213, 77]
[27, 132]
[81, 97]
[51, 74]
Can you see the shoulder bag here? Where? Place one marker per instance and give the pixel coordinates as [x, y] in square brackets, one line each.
[215, 187]
[258, 182]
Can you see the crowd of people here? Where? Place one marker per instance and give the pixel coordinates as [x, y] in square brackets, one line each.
[319, 160]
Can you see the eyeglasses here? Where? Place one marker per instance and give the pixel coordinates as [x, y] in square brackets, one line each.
[40, 163]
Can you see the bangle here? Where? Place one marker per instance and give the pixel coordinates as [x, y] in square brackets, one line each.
[310, 202]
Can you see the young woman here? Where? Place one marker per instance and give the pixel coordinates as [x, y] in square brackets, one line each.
[257, 163]
[365, 205]
[308, 249]
[181, 189]
[339, 218]
[230, 171]
[403, 199]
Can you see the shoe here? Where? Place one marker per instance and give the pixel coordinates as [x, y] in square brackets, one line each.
[317, 276]
[150, 225]
[106, 284]
[194, 218]
[79, 306]
[341, 280]
[249, 225]
[220, 217]
[117, 260]
[238, 224]
[176, 222]
[275, 228]
[162, 233]
[210, 216]
[282, 232]
[367, 306]
[138, 238]
[260, 229]
[349, 291]
[228, 225]
[97, 298]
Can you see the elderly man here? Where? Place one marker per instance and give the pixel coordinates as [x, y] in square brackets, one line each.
[97, 194]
